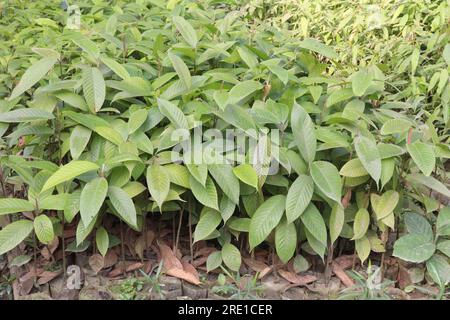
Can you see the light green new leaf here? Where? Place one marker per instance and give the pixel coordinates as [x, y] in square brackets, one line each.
[298, 197]
[209, 221]
[314, 223]
[369, 155]
[94, 88]
[285, 240]
[11, 205]
[327, 179]
[423, 156]
[43, 228]
[123, 204]
[206, 195]
[385, 204]
[68, 172]
[243, 89]
[13, 234]
[137, 119]
[32, 75]
[353, 169]
[158, 183]
[102, 240]
[178, 174]
[304, 134]
[79, 139]
[91, 200]
[173, 113]
[247, 174]
[181, 69]
[362, 247]
[393, 126]
[361, 224]
[231, 256]
[214, 261]
[187, 31]
[116, 67]
[414, 248]
[265, 219]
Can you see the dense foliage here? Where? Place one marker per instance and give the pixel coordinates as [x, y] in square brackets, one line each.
[88, 116]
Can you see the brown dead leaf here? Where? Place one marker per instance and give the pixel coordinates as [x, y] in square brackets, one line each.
[255, 265]
[141, 245]
[205, 251]
[189, 268]
[134, 266]
[181, 274]
[46, 254]
[168, 257]
[346, 199]
[297, 279]
[26, 282]
[53, 245]
[403, 277]
[97, 262]
[47, 276]
[110, 259]
[346, 261]
[340, 273]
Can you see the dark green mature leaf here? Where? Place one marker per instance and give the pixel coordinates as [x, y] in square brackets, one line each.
[123, 204]
[414, 248]
[285, 240]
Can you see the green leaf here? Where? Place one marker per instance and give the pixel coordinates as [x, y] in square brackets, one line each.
[247, 174]
[11, 205]
[72, 205]
[299, 196]
[285, 240]
[79, 139]
[137, 119]
[43, 228]
[178, 174]
[231, 256]
[370, 158]
[439, 270]
[417, 224]
[242, 90]
[68, 172]
[227, 181]
[265, 219]
[94, 88]
[327, 179]
[53, 202]
[187, 31]
[240, 224]
[173, 113]
[337, 219]
[181, 69]
[353, 169]
[414, 248]
[91, 200]
[319, 47]
[361, 81]
[209, 221]
[429, 182]
[444, 247]
[304, 134]
[314, 223]
[32, 75]
[13, 234]
[102, 240]
[394, 126]
[199, 172]
[116, 67]
[362, 247]
[248, 57]
[385, 204]
[19, 261]
[158, 183]
[123, 204]
[206, 195]
[423, 156]
[443, 222]
[361, 223]
[25, 115]
[214, 261]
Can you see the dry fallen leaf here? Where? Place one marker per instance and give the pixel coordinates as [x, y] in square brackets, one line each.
[168, 258]
[141, 245]
[97, 262]
[340, 273]
[47, 276]
[297, 279]
[110, 259]
[181, 274]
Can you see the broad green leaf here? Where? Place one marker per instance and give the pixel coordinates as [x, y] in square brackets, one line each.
[317, 246]
[214, 261]
[32, 75]
[116, 67]
[158, 183]
[209, 221]
[265, 219]
[337, 219]
[387, 170]
[72, 205]
[417, 224]
[13, 234]
[298, 197]
[240, 224]
[206, 195]
[20, 261]
[199, 172]
[12, 205]
[439, 270]
[231, 256]
[423, 156]
[94, 88]
[91, 200]
[361, 224]
[393, 126]
[123, 204]
[327, 179]
[443, 222]
[353, 169]
[314, 223]
[68, 172]
[248, 57]
[181, 69]
[25, 115]
[242, 90]
[53, 202]
[362, 247]
[102, 240]
[173, 113]
[227, 181]
[187, 31]
[414, 248]
[444, 247]
[137, 119]
[370, 158]
[303, 130]
[361, 81]
[285, 240]
[43, 228]
[178, 174]
[385, 204]
[79, 139]
[429, 182]
[319, 47]
[247, 174]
